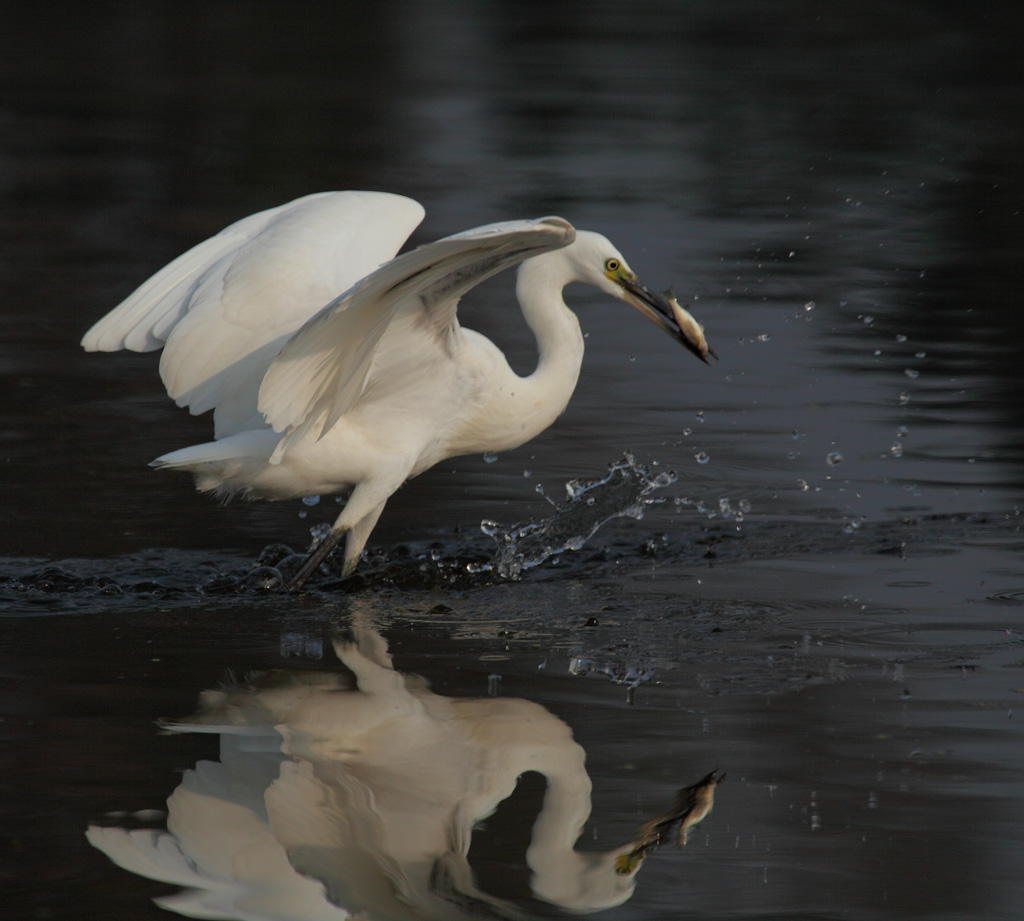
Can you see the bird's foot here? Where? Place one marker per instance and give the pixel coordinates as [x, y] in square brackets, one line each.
[318, 554]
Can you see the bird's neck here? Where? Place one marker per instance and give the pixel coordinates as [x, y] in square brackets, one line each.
[539, 287]
[516, 408]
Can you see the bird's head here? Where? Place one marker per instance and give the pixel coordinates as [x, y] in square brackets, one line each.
[600, 264]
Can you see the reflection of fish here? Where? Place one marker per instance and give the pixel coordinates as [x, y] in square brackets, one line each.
[699, 801]
[692, 805]
[692, 331]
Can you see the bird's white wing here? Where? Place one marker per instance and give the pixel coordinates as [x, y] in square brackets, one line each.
[319, 374]
[223, 309]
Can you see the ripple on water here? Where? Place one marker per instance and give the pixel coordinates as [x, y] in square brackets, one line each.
[1009, 596]
[935, 638]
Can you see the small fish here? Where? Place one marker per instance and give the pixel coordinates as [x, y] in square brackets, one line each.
[700, 800]
[692, 805]
[692, 331]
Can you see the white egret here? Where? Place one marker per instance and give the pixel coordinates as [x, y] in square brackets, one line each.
[315, 392]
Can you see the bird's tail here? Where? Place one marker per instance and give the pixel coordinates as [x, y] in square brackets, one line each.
[223, 466]
[259, 443]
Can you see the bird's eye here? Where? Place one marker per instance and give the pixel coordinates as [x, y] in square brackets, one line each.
[612, 265]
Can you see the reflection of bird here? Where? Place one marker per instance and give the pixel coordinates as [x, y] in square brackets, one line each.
[365, 794]
[381, 383]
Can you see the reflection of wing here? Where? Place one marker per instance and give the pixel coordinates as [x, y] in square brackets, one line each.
[321, 372]
[220, 847]
[145, 851]
[333, 832]
[223, 309]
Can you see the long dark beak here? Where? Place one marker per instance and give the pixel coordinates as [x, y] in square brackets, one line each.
[666, 313]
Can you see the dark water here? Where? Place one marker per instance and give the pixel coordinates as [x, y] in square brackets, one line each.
[828, 608]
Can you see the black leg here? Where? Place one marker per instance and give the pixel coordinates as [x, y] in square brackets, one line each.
[315, 558]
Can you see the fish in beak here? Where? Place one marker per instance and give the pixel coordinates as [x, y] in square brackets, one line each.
[664, 311]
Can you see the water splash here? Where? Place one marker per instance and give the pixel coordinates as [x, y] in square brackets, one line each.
[318, 532]
[622, 493]
[725, 509]
[630, 675]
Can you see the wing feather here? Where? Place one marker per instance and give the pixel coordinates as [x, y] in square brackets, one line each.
[320, 373]
[223, 309]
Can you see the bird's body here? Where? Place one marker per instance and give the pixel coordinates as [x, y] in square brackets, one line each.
[316, 392]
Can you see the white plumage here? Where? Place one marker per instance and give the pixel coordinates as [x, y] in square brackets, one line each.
[331, 365]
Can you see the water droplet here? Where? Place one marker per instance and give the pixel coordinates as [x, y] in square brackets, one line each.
[764, 337]
[701, 457]
[904, 398]
[902, 431]
[912, 373]
[920, 354]
[310, 500]
[744, 506]
[833, 458]
[527, 473]
[724, 506]
[700, 415]
[868, 320]
[900, 337]
[792, 455]
[896, 450]
[687, 431]
[803, 484]
[490, 457]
